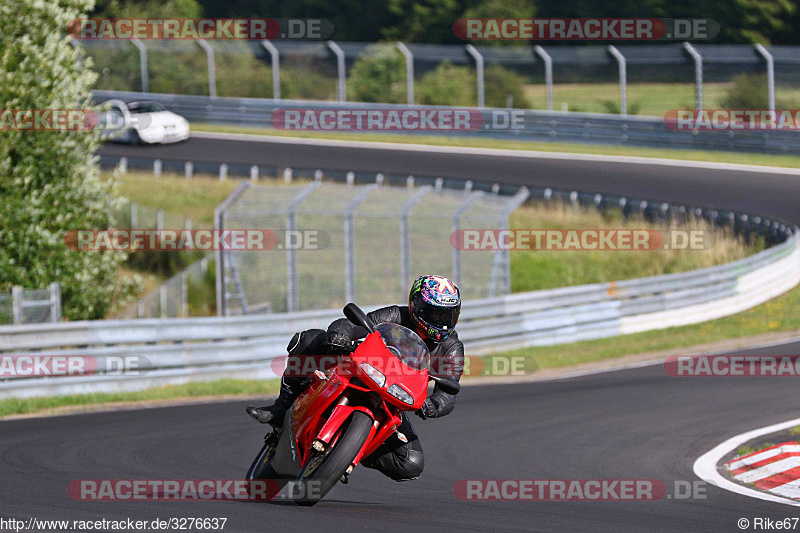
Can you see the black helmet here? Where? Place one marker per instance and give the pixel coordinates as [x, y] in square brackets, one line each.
[434, 304]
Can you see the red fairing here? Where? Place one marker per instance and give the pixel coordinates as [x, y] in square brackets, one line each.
[328, 403]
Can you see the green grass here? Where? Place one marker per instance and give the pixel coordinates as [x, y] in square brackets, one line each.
[223, 387]
[746, 450]
[536, 270]
[195, 198]
[794, 431]
[789, 161]
[649, 99]
[781, 314]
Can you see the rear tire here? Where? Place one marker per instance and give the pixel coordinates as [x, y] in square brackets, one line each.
[311, 488]
[262, 465]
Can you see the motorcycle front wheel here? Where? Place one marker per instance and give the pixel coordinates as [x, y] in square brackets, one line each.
[324, 469]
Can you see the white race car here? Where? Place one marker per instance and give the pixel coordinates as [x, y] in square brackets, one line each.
[143, 122]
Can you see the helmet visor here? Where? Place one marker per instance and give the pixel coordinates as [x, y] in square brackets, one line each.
[439, 317]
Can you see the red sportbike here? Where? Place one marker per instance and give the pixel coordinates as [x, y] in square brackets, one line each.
[349, 411]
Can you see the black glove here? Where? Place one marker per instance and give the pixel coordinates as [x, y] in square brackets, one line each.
[428, 409]
[338, 343]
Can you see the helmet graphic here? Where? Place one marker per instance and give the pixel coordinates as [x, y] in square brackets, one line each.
[434, 304]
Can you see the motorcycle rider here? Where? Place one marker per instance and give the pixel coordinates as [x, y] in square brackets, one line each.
[434, 304]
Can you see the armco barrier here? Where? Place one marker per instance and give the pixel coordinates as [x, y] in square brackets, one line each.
[181, 350]
[536, 125]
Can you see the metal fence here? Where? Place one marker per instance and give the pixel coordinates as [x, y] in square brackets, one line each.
[318, 70]
[181, 350]
[596, 128]
[31, 306]
[171, 298]
[369, 242]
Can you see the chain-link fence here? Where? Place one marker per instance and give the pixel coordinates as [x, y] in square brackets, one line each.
[31, 306]
[366, 243]
[184, 294]
[645, 79]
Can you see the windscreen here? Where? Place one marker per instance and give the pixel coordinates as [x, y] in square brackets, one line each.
[405, 345]
[145, 107]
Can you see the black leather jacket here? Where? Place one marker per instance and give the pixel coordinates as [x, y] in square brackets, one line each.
[447, 357]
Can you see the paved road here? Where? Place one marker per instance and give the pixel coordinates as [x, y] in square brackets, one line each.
[636, 423]
[777, 195]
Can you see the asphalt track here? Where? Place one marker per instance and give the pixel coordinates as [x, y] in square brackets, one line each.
[776, 195]
[638, 423]
[630, 424]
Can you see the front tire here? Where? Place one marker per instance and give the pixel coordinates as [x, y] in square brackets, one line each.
[313, 485]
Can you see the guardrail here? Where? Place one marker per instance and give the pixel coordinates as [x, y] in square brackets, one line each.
[181, 350]
[534, 125]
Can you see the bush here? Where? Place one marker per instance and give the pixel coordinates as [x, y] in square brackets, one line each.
[49, 182]
[378, 76]
[749, 91]
[448, 84]
[499, 83]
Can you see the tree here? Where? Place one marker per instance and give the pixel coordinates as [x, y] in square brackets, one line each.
[49, 180]
[378, 76]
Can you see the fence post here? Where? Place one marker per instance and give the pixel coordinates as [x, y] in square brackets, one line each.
[276, 68]
[159, 219]
[223, 172]
[502, 263]
[134, 215]
[349, 243]
[212, 75]
[471, 197]
[340, 84]
[188, 169]
[254, 173]
[287, 175]
[16, 304]
[479, 69]
[291, 254]
[409, 72]
[623, 79]
[219, 224]
[55, 302]
[142, 64]
[698, 74]
[770, 74]
[350, 178]
[184, 294]
[162, 301]
[157, 168]
[405, 240]
[123, 164]
[548, 74]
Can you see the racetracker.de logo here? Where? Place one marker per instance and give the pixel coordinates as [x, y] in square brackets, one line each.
[47, 119]
[586, 29]
[732, 119]
[171, 240]
[580, 239]
[199, 28]
[577, 490]
[377, 119]
[172, 489]
[43, 365]
[733, 366]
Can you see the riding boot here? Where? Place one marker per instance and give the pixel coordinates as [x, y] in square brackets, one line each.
[291, 388]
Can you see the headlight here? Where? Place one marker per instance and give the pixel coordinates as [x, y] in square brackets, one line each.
[374, 374]
[400, 393]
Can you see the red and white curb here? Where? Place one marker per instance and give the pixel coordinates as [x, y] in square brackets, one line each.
[775, 470]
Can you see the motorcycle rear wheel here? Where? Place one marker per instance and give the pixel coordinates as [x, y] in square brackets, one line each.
[262, 465]
[313, 484]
